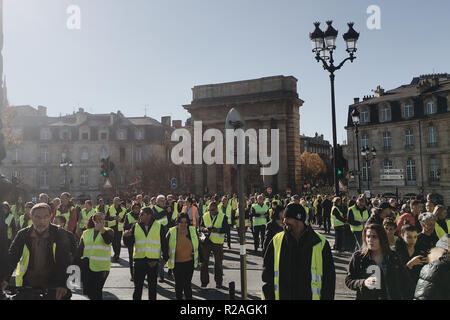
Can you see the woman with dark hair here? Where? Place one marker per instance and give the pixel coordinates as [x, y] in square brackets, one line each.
[273, 227]
[95, 252]
[375, 272]
[183, 254]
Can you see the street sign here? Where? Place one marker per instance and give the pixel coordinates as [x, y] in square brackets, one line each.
[173, 183]
[107, 184]
[397, 183]
[391, 171]
[392, 177]
[367, 193]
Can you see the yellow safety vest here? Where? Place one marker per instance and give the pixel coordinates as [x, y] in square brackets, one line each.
[113, 214]
[237, 219]
[316, 265]
[217, 238]
[131, 219]
[8, 221]
[65, 215]
[227, 211]
[22, 222]
[147, 246]
[175, 211]
[98, 207]
[22, 266]
[97, 251]
[439, 231]
[173, 246]
[357, 217]
[163, 221]
[335, 222]
[260, 221]
[16, 213]
[85, 217]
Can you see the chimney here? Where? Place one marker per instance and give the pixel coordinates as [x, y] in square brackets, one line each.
[355, 100]
[176, 124]
[166, 121]
[42, 111]
[379, 91]
[80, 110]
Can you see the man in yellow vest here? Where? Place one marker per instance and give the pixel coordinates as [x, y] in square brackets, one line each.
[162, 216]
[40, 254]
[225, 207]
[442, 225]
[25, 219]
[149, 241]
[357, 216]
[67, 211]
[114, 219]
[298, 264]
[259, 214]
[214, 225]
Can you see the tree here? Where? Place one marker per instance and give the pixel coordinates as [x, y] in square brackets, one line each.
[313, 167]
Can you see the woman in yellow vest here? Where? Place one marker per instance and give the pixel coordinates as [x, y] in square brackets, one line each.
[183, 255]
[95, 245]
[338, 223]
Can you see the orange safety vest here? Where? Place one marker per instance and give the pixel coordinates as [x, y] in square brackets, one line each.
[194, 214]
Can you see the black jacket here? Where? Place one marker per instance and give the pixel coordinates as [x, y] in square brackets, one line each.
[272, 228]
[434, 281]
[3, 244]
[326, 207]
[295, 268]
[395, 284]
[62, 253]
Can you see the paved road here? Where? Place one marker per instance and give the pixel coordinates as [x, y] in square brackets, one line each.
[119, 287]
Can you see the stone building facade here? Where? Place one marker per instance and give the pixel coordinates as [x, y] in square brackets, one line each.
[265, 103]
[83, 139]
[316, 144]
[410, 128]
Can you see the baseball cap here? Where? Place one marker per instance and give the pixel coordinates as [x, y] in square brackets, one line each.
[296, 211]
[384, 205]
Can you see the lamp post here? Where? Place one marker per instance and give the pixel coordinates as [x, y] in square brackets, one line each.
[355, 119]
[66, 164]
[323, 44]
[368, 156]
[235, 121]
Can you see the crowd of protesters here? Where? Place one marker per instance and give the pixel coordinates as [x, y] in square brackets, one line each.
[400, 248]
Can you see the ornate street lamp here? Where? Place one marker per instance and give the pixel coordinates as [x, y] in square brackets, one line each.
[323, 44]
[369, 156]
[355, 120]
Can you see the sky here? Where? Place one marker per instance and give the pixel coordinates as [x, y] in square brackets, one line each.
[142, 56]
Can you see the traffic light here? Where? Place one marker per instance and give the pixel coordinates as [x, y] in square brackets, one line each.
[104, 168]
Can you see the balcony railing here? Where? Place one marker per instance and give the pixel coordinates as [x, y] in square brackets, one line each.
[387, 148]
[409, 146]
[432, 144]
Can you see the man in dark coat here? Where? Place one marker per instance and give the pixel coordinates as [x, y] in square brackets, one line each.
[296, 251]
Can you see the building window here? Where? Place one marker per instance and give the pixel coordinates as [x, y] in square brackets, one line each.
[364, 140]
[431, 108]
[45, 155]
[15, 155]
[432, 136]
[64, 155]
[84, 176]
[121, 134]
[121, 178]
[408, 111]
[44, 179]
[84, 154]
[410, 170]
[139, 134]
[62, 178]
[387, 141]
[387, 164]
[65, 134]
[409, 138]
[45, 134]
[385, 114]
[434, 170]
[364, 116]
[104, 153]
[103, 135]
[139, 157]
[122, 155]
[85, 136]
[366, 171]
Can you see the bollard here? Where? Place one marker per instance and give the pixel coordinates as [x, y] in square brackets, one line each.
[232, 290]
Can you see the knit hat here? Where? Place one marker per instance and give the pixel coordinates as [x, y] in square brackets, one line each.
[296, 211]
[443, 242]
